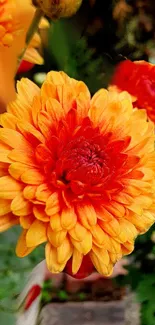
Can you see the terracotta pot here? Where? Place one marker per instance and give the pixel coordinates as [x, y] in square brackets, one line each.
[123, 312]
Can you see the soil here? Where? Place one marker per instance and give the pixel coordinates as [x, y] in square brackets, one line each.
[100, 290]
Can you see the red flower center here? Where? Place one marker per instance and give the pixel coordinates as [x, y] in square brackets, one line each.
[83, 160]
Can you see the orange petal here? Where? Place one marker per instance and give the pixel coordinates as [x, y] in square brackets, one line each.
[17, 169]
[98, 235]
[101, 254]
[36, 108]
[52, 204]
[128, 231]
[9, 188]
[39, 213]
[68, 218]
[143, 222]
[115, 257]
[27, 129]
[32, 177]
[51, 259]
[8, 120]
[127, 248]
[48, 90]
[64, 251]
[56, 238]
[20, 206]
[76, 261]
[4, 153]
[23, 156]
[114, 246]
[55, 222]
[12, 138]
[29, 192]
[112, 227]
[43, 193]
[36, 234]
[25, 95]
[78, 232]
[4, 207]
[84, 246]
[55, 110]
[26, 221]
[7, 222]
[100, 267]
[87, 215]
[21, 249]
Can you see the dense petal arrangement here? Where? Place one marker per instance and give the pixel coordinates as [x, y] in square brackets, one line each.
[77, 173]
[138, 78]
[15, 19]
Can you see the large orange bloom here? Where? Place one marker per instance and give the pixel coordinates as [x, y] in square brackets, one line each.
[15, 19]
[138, 78]
[77, 173]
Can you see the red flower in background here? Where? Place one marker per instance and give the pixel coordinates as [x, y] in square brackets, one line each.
[25, 66]
[138, 78]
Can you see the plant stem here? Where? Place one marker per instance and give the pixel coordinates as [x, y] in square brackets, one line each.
[30, 33]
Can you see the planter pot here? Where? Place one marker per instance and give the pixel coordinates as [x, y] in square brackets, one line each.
[91, 313]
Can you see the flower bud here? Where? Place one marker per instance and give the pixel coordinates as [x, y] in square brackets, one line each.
[56, 9]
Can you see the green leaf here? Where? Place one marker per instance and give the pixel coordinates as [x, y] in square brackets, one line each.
[148, 313]
[146, 289]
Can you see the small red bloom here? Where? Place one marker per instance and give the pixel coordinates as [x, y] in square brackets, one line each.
[138, 78]
[25, 66]
[33, 293]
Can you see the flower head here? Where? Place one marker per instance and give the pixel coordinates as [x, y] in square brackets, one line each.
[138, 78]
[58, 8]
[15, 19]
[77, 173]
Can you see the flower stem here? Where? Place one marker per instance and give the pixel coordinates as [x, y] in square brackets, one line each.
[30, 33]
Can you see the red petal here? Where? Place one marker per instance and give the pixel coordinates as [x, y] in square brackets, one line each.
[25, 66]
[85, 270]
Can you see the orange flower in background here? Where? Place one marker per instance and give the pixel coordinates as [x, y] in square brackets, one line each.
[7, 23]
[138, 78]
[76, 173]
[15, 19]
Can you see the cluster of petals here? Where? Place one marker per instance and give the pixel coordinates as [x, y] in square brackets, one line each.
[138, 79]
[76, 173]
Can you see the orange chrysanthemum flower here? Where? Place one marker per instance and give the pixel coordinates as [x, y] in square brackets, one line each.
[15, 19]
[77, 173]
[7, 23]
[138, 78]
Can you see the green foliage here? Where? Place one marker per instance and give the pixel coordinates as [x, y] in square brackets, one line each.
[141, 276]
[82, 296]
[83, 65]
[146, 296]
[62, 295]
[146, 289]
[70, 52]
